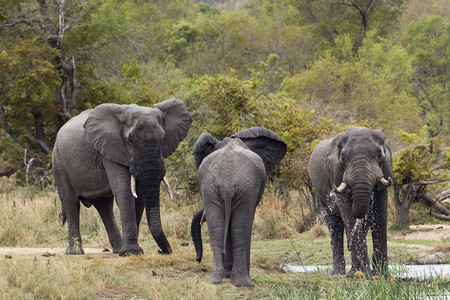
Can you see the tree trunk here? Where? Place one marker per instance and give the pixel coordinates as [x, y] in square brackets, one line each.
[403, 217]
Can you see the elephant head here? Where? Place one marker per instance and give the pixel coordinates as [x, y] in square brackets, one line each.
[264, 142]
[140, 138]
[361, 162]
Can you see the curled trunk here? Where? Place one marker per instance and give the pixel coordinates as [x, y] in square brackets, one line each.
[196, 234]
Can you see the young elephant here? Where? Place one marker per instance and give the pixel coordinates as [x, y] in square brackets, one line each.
[232, 176]
[350, 174]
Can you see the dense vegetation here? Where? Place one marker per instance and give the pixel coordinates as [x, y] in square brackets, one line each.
[305, 69]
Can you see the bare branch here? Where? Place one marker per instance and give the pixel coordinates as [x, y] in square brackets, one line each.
[10, 172]
[439, 216]
[435, 203]
[35, 139]
[21, 21]
[429, 182]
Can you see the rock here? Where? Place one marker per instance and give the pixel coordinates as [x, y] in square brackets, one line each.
[431, 259]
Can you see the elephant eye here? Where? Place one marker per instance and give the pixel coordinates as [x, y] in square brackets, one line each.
[342, 157]
[380, 154]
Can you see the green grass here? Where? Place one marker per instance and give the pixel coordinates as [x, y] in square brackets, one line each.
[179, 276]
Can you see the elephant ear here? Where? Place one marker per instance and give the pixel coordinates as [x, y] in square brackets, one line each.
[176, 123]
[264, 142]
[386, 166]
[104, 132]
[205, 145]
[333, 164]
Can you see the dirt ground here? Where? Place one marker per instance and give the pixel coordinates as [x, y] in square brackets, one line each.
[428, 232]
[417, 232]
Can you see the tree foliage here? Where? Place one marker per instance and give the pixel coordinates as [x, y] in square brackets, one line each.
[304, 69]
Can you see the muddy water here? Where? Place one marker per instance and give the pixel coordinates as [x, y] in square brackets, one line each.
[401, 271]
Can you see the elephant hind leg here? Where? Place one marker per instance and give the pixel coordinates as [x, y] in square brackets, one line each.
[336, 227]
[241, 231]
[216, 227]
[71, 210]
[104, 207]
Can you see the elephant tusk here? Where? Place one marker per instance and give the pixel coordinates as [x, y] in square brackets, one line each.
[133, 186]
[340, 189]
[166, 184]
[386, 182]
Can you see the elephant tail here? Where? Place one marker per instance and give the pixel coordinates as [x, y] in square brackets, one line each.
[227, 220]
[196, 233]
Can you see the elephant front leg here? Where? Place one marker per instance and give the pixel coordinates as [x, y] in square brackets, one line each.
[336, 228]
[105, 210]
[378, 224]
[119, 181]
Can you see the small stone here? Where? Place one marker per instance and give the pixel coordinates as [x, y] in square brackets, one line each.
[431, 259]
[184, 244]
[8, 256]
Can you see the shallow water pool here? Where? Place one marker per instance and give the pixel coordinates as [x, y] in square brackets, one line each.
[401, 271]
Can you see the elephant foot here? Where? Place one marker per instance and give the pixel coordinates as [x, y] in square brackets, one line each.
[227, 274]
[216, 278]
[242, 280]
[75, 250]
[131, 250]
[168, 251]
[336, 271]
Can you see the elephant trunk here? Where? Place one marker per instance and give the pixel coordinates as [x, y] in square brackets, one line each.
[361, 193]
[196, 233]
[362, 187]
[148, 167]
[150, 191]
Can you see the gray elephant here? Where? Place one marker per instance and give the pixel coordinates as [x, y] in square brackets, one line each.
[117, 151]
[348, 173]
[232, 176]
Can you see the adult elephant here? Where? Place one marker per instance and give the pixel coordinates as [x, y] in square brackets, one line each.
[117, 151]
[232, 176]
[348, 173]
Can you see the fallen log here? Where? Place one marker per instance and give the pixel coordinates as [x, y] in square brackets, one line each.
[435, 203]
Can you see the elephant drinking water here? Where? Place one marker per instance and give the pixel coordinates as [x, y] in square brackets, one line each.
[350, 174]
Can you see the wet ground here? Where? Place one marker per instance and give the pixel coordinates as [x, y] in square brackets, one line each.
[401, 271]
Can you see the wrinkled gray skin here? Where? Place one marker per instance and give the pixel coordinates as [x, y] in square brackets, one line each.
[232, 177]
[95, 155]
[358, 157]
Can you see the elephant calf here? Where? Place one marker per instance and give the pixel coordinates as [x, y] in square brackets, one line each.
[348, 173]
[232, 176]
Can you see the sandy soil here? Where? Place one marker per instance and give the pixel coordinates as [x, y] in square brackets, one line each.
[10, 252]
[417, 232]
[428, 232]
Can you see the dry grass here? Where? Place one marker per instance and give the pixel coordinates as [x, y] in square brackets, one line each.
[277, 217]
[153, 276]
